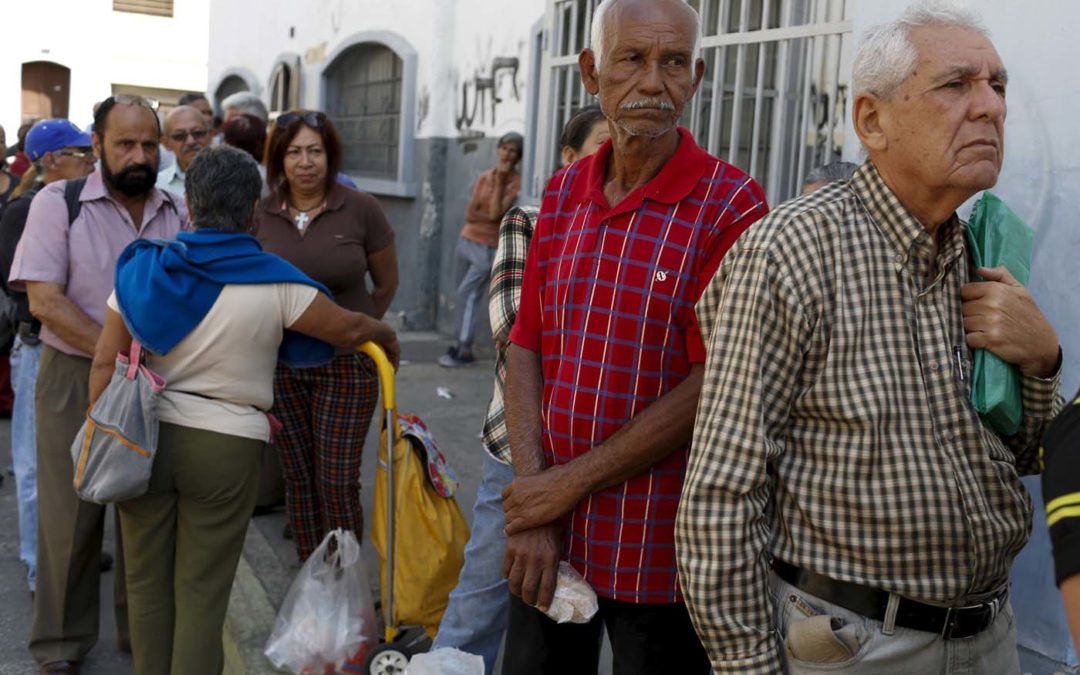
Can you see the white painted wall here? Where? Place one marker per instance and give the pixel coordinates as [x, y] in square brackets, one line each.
[453, 40]
[102, 48]
[1040, 180]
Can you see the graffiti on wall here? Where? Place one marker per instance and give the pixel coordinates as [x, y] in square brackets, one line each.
[480, 96]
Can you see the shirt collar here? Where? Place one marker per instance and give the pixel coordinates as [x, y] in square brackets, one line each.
[905, 233]
[676, 180]
[335, 199]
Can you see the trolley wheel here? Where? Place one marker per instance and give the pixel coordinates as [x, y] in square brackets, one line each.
[387, 659]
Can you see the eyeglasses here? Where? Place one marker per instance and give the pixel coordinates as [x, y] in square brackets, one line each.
[150, 104]
[181, 135]
[85, 155]
[312, 118]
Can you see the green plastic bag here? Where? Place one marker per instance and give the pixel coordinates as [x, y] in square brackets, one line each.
[998, 237]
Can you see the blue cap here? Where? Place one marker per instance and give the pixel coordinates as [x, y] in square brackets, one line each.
[52, 135]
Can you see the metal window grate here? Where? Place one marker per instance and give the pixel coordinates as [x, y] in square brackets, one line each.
[364, 100]
[774, 94]
[152, 7]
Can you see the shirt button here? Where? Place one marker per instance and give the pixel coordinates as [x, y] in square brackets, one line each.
[935, 366]
[948, 435]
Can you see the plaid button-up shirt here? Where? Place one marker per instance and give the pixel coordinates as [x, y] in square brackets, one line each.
[834, 429]
[608, 302]
[515, 233]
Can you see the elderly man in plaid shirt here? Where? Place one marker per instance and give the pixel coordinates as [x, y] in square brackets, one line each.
[605, 361]
[835, 433]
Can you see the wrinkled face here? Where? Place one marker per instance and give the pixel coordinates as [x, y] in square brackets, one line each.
[647, 71]
[186, 133]
[945, 125]
[71, 162]
[305, 161]
[128, 148]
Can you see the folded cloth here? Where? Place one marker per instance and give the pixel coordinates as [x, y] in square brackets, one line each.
[165, 288]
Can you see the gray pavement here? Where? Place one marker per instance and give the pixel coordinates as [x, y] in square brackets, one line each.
[16, 610]
[269, 560]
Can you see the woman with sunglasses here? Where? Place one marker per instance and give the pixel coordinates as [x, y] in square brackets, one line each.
[340, 238]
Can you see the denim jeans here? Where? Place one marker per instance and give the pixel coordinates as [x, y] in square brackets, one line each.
[24, 369]
[475, 619]
[833, 639]
[474, 261]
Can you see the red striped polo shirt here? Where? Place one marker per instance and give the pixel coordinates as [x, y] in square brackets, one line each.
[608, 302]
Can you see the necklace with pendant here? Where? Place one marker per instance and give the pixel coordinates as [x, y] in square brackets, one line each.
[302, 218]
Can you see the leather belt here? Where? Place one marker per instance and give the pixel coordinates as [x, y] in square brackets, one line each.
[951, 623]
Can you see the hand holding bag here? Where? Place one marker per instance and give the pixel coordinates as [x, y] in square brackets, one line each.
[113, 453]
[998, 237]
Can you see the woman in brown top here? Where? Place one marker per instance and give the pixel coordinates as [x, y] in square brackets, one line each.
[339, 237]
[494, 193]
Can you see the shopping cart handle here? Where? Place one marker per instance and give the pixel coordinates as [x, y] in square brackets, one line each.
[386, 372]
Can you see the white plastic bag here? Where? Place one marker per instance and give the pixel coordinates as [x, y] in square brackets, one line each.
[445, 661]
[575, 600]
[328, 614]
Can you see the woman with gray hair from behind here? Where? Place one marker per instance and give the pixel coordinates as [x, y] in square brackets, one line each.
[214, 314]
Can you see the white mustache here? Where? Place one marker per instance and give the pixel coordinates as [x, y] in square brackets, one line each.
[658, 103]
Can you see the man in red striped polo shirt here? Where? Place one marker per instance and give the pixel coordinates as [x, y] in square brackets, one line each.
[606, 359]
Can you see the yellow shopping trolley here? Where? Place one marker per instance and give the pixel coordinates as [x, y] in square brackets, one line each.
[418, 530]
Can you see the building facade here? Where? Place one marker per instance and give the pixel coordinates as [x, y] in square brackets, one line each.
[422, 88]
[420, 91]
[66, 55]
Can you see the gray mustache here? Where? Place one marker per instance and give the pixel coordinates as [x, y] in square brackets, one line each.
[658, 103]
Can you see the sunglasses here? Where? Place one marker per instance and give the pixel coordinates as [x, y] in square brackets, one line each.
[85, 155]
[312, 118]
[180, 135]
[150, 104]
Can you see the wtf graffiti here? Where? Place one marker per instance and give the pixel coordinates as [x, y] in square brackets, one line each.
[482, 92]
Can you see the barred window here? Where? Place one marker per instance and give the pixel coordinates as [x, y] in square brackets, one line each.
[152, 7]
[772, 100]
[363, 97]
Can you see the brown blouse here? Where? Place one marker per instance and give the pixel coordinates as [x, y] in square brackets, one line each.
[334, 247]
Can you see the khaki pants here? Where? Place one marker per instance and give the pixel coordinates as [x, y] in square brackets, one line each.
[184, 538]
[69, 530]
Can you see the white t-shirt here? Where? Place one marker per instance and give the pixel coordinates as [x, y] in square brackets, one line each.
[221, 376]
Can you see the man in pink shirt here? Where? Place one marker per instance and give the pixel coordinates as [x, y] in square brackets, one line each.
[66, 266]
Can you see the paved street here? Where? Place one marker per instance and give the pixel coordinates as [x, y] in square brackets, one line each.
[455, 423]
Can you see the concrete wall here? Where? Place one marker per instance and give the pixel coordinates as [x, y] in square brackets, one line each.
[1039, 181]
[102, 48]
[452, 133]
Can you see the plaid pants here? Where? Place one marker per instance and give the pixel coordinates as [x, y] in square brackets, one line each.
[326, 412]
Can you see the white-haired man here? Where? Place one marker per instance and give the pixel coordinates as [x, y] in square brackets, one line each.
[605, 361]
[834, 432]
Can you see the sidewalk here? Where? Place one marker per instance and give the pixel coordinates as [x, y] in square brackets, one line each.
[269, 561]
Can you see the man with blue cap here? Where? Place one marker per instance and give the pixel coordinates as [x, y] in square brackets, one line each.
[58, 150]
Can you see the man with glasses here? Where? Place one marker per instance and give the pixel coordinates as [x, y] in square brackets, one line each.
[66, 266]
[59, 150]
[186, 133]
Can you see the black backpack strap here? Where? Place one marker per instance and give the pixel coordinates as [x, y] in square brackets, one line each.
[72, 191]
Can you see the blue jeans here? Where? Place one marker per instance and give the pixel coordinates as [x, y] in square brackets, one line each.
[832, 639]
[475, 619]
[24, 369]
[474, 261]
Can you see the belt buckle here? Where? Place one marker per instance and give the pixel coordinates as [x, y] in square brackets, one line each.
[993, 606]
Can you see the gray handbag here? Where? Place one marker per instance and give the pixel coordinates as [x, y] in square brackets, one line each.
[113, 453]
